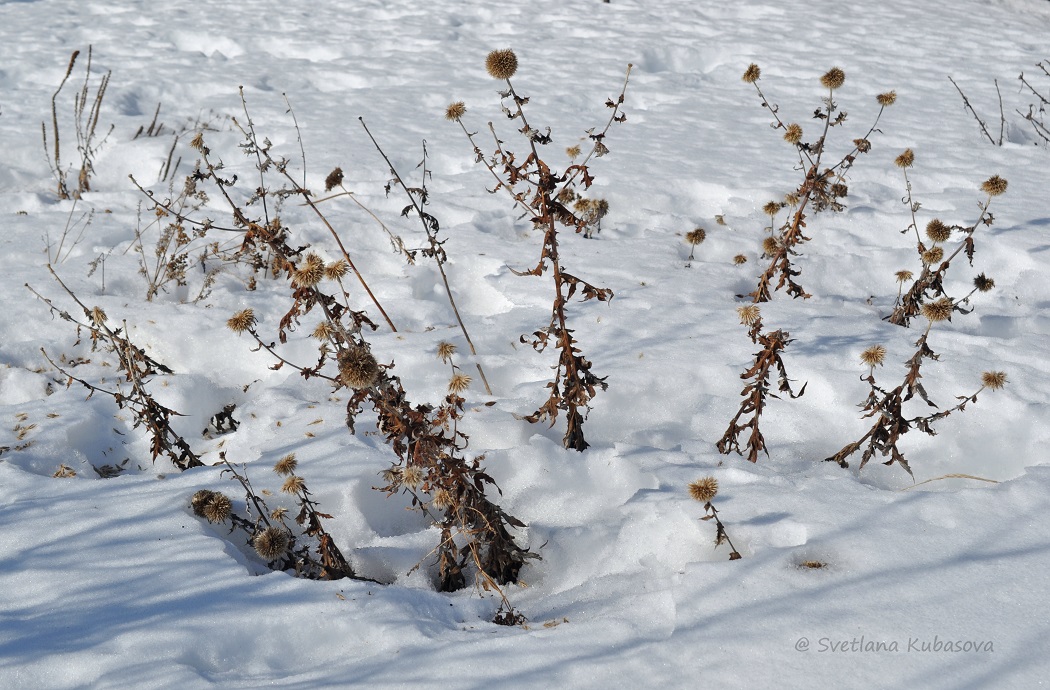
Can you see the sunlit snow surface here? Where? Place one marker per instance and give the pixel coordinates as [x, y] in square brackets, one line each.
[115, 583]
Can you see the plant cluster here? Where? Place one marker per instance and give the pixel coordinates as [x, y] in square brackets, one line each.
[704, 491]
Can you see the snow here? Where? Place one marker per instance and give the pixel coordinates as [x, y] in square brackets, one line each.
[116, 583]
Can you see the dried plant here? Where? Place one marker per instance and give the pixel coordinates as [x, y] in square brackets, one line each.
[1036, 115]
[942, 244]
[138, 369]
[980, 122]
[823, 186]
[419, 197]
[544, 194]
[86, 109]
[704, 491]
[757, 388]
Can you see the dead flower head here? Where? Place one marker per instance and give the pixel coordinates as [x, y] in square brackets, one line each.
[286, 465]
[501, 64]
[887, 99]
[271, 543]
[903, 276]
[983, 283]
[793, 135]
[446, 350]
[293, 484]
[443, 499]
[770, 245]
[937, 231]
[333, 180]
[752, 73]
[310, 273]
[941, 310]
[455, 111]
[412, 476]
[833, 78]
[906, 159]
[749, 314]
[994, 186]
[695, 237]
[873, 355]
[704, 490]
[244, 320]
[993, 379]
[739, 259]
[932, 255]
[324, 330]
[357, 367]
[459, 383]
[772, 208]
[199, 500]
[218, 508]
[573, 152]
[337, 269]
[98, 317]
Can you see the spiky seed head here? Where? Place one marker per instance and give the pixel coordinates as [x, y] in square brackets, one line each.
[337, 269]
[933, 255]
[993, 379]
[941, 310]
[199, 500]
[752, 73]
[412, 477]
[749, 314]
[793, 135]
[310, 273]
[278, 513]
[443, 499]
[324, 330]
[271, 543]
[994, 186]
[906, 159]
[244, 320]
[501, 64]
[446, 350]
[739, 259]
[903, 276]
[833, 78]
[772, 208]
[286, 465]
[293, 484]
[863, 145]
[459, 383]
[790, 199]
[770, 245]
[218, 508]
[391, 476]
[704, 490]
[98, 317]
[695, 237]
[937, 231]
[455, 111]
[333, 180]
[720, 219]
[601, 208]
[887, 99]
[839, 190]
[983, 283]
[197, 143]
[357, 367]
[566, 195]
[573, 152]
[873, 355]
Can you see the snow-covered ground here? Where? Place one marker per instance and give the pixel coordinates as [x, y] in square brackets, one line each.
[116, 583]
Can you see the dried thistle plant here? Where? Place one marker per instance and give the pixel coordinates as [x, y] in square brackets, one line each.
[1036, 115]
[544, 194]
[704, 491]
[758, 386]
[823, 186]
[941, 245]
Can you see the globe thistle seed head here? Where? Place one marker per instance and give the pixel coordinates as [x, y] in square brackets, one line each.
[567, 195]
[271, 543]
[933, 255]
[873, 355]
[941, 310]
[446, 350]
[833, 78]
[333, 180]
[337, 269]
[199, 500]
[790, 199]
[770, 246]
[455, 111]
[749, 314]
[994, 186]
[887, 99]
[443, 499]
[937, 231]
[278, 513]
[357, 367]
[703, 490]
[573, 152]
[286, 465]
[310, 273]
[391, 476]
[218, 508]
[772, 208]
[501, 64]
[993, 379]
[459, 383]
[983, 283]
[903, 276]
[906, 159]
[839, 190]
[793, 135]
[863, 145]
[752, 73]
[98, 317]
[293, 484]
[739, 259]
[412, 477]
[324, 330]
[695, 237]
[244, 320]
